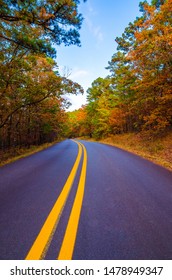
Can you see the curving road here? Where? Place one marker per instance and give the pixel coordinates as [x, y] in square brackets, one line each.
[84, 200]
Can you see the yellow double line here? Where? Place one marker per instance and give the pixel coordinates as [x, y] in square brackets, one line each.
[44, 238]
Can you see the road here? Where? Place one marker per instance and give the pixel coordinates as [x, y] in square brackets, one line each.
[85, 201]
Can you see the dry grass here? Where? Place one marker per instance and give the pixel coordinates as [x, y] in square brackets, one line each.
[16, 153]
[158, 150]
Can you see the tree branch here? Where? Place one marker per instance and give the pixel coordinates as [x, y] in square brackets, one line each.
[23, 106]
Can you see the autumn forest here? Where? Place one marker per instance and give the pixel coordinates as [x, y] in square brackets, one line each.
[135, 97]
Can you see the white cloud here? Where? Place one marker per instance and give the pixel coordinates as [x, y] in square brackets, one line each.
[90, 14]
[77, 74]
[95, 30]
[91, 10]
[98, 34]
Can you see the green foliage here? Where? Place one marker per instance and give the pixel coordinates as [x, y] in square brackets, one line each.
[32, 93]
[35, 25]
[137, 95]
[158, 3]
[32, 100]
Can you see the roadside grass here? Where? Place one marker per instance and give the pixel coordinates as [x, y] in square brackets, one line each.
[157, 150]
[15, 153]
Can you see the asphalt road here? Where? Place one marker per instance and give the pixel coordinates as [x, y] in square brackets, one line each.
[85, 202]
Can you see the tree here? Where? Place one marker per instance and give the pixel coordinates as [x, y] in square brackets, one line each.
[100, 101]
[158, 3]
[77, 123]
[34, 25]
[29, 86]
[152, 62]
[139, 93]
[32, 93]
[122, 79]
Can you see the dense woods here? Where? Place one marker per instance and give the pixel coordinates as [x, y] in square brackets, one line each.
[136, 96]
[32, 93]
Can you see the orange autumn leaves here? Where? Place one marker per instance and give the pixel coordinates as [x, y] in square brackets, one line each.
[32, 92]
[137, 95]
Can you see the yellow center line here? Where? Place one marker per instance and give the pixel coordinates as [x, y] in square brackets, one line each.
[68, 243]
[43, 240]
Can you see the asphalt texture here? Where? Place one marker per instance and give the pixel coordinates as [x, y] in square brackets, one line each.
[126, 211]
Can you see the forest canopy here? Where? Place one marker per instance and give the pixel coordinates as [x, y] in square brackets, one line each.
[32, 92]
[137, 94]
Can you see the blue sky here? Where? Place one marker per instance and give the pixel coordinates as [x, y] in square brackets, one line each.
[104, 20]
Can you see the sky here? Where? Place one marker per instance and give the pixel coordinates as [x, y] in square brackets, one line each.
[104, 20]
